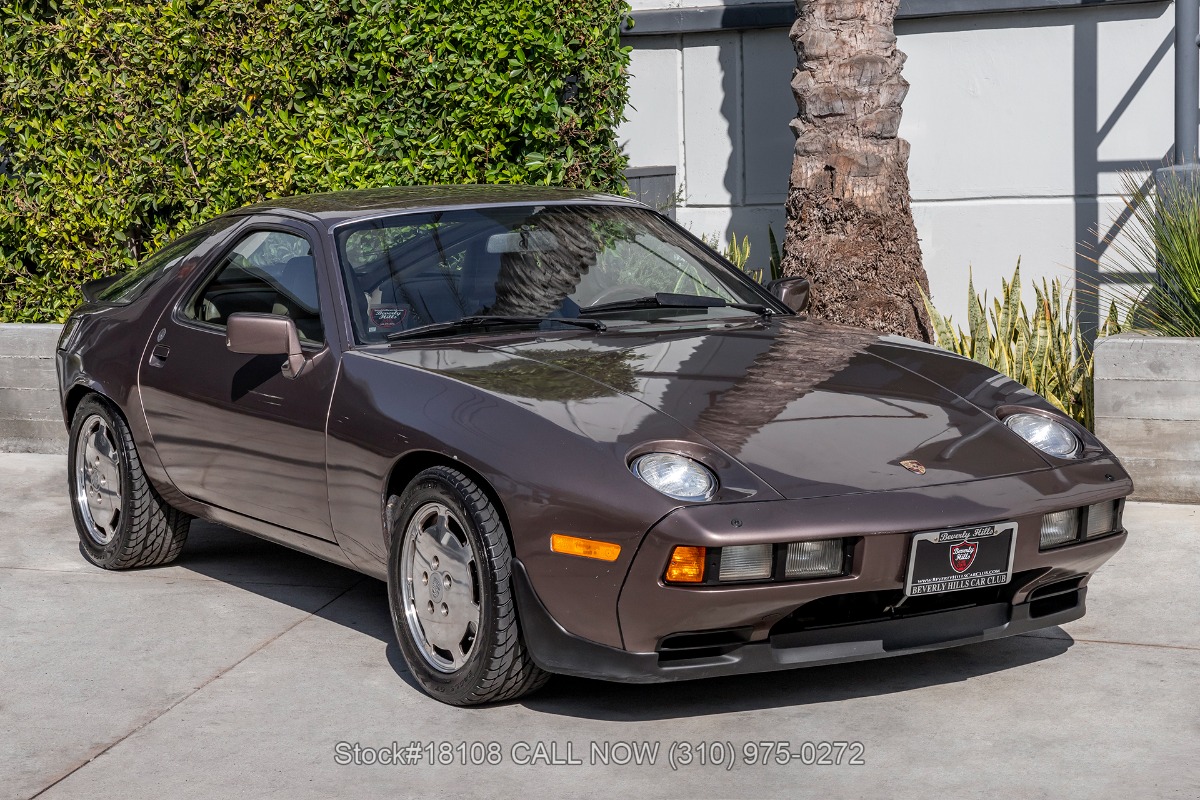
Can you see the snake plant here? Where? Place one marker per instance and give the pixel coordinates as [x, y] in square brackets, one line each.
[1039, 345]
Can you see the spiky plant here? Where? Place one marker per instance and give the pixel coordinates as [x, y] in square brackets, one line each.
[1161, 242]
[1039, 346]
[737, 252]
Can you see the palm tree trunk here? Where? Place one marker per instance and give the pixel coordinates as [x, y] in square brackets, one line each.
[849, 220]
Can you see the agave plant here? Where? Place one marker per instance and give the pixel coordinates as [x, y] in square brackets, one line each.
[1039, 346]
[1161, 242]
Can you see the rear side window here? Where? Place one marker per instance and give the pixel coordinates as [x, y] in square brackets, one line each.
[134, 284]
[266, 272]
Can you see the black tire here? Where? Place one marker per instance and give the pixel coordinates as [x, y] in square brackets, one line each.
[498, 665]
[145, 531]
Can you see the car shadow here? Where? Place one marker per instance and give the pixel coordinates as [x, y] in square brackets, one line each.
[360, 603]
[304, 582]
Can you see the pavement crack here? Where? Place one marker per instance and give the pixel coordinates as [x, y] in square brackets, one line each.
[215, 676]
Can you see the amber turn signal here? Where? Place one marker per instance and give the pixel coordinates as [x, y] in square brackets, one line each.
[588, 548]
[687, 565]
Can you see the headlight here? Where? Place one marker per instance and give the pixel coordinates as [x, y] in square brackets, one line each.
[1045, 434]
[676, 476]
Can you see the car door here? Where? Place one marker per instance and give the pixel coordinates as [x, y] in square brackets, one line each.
[230, 429]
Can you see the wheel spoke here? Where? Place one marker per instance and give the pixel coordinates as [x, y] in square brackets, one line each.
[110, 476]
[91, 456]
[102, 446]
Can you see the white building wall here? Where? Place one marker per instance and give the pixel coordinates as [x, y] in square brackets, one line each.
[1021, 125]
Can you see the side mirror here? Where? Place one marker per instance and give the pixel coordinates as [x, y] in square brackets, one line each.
[792, 291]
[266, 335]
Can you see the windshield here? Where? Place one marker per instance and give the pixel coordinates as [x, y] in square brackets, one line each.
[412, 270]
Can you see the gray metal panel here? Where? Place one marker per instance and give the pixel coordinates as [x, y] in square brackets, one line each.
[1187, 82]
[656, 22]
[713, 18]
[654, 186]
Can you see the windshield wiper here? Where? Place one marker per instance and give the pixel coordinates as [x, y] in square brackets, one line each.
[484, 321]
[669, 300]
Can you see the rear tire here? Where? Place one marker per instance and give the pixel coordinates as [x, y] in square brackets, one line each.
[450, 591]
[122, 522]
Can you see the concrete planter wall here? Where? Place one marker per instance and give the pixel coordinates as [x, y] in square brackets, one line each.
[30, 419]
[1148, 412]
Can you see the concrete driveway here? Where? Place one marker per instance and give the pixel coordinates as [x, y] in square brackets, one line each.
[247, 670]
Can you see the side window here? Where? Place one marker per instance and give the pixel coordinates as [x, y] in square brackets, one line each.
[133, 284]
[267, 272]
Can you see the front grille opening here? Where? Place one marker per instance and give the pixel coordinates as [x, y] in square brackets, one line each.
[702, 644]
[1054, 605]
[861, 607]
[1058, 587]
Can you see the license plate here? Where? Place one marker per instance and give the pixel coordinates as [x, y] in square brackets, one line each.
[961, 558]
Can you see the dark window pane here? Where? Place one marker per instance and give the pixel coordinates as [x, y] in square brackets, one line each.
[267, 272]
[134, 284]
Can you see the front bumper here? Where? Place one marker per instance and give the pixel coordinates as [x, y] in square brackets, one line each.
[556, 650]
[673, 632]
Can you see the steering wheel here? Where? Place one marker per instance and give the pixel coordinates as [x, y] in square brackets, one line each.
[622, 291]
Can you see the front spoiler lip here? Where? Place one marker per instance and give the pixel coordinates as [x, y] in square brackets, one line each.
[557, 651]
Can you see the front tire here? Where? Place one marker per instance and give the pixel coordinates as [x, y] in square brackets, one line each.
[122, 522]
[450, 591]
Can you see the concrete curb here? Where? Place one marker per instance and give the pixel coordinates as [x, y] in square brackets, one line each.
[1148, 412]
[30, 420]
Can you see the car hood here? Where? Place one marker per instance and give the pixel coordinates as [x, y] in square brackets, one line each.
[813, 409]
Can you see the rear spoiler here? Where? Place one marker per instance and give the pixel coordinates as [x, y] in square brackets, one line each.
[92, 289]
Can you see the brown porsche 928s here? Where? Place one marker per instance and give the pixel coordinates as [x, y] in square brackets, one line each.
[572, 439]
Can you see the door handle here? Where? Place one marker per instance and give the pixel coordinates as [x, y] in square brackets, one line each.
[159, 354]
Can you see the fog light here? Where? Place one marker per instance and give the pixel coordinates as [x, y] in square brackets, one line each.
[687, 565]
[1101, 518]
[1060, 527]
[820, 559]
[746, 562]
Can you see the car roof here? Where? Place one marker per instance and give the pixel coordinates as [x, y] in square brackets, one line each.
[332, 208]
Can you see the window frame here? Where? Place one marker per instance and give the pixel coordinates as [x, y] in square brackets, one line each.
[217, 263]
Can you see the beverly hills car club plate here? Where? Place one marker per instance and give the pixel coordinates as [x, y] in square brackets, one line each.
[961, 558]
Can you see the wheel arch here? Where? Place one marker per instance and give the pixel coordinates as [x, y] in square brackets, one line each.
[409, 465]
[76, 394]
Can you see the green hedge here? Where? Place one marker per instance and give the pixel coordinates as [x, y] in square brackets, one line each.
[123, 124]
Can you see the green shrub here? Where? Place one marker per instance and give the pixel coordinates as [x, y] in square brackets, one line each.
[125, 123]
[1163, 238]
[1041, 349]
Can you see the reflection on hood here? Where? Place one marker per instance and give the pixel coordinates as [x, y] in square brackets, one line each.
[788, 369]
[556, 375]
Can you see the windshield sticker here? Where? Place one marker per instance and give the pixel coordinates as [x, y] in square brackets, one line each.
[387, 318]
